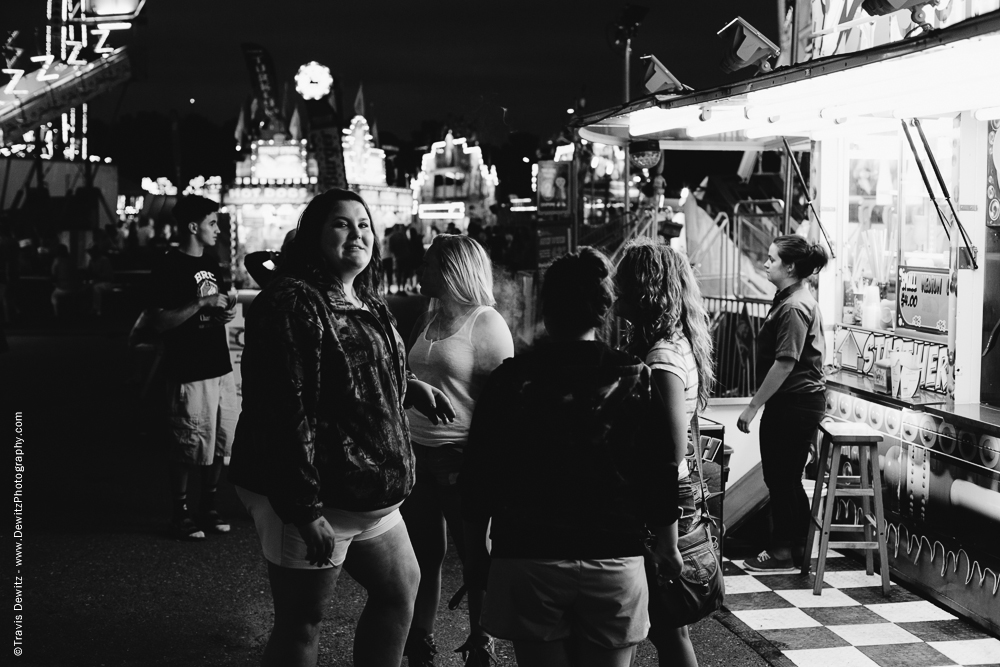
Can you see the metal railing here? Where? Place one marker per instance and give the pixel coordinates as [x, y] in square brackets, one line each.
[735, 323]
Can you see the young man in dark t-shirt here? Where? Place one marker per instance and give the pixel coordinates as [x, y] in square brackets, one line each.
[191, 311]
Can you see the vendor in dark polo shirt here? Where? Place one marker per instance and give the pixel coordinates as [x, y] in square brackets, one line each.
[790, 359]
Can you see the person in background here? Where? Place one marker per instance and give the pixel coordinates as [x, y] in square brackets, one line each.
[388, 275]
[191, 311]
[263, 264]
[454, 347]
[102, 276]
[399, 246]
[790, 349]
[322, 459]
[566, 457]
[416, 241]
[68, 285]
[659, 296]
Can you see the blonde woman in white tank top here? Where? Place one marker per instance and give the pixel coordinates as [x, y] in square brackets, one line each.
[454, 347]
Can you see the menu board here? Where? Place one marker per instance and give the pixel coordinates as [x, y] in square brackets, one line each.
[553, 243]
[922, 300]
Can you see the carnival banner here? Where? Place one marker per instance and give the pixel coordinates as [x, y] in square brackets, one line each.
[263, 80]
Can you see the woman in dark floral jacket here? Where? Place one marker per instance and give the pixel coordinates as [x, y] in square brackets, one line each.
[322, 456]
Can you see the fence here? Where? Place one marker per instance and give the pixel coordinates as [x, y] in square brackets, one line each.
[735, 323]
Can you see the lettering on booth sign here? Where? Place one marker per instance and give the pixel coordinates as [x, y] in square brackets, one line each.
[860, 349]
[923, 300]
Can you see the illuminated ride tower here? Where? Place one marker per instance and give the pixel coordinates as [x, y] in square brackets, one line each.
[62, 188]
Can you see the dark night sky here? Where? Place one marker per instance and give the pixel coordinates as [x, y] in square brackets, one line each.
[418, 61]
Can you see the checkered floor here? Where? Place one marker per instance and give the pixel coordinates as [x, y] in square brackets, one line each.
[850, 624]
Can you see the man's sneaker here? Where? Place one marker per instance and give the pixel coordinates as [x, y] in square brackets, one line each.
[478, 651]
[420, 649]
[765, 562]
[213, 521]
[184, 528]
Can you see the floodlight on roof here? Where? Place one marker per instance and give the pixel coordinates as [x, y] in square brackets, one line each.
[627, 24]
[658, 78]
[917, 8]
[749, 47]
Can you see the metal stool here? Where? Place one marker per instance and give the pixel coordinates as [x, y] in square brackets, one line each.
[867, 485]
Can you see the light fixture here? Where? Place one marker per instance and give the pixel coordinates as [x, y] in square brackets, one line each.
[749, 47]
[645, 154]
[946, 103]
[722, 112]
[655, 119]
[916, 7]
[628, 23]
[570, 110]
[708, 128]
[797, 128]
[774, 112]
[989, 113]
[658, 78]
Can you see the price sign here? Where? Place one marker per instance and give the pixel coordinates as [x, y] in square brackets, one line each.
[553, 243]
[922, 297]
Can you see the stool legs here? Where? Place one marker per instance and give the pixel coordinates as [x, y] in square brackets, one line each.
[866, 506]
[821, 471]
[873, 524]
[831, 497]
[883, 550]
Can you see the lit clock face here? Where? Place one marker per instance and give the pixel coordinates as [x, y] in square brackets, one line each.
[313, 81]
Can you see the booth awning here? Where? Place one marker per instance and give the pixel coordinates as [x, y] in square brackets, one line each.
[942, 72]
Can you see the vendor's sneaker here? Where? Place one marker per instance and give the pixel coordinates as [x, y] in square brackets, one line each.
[765, 562]
[184, 528]
[214, 522]
[420, 649]
[478, 651]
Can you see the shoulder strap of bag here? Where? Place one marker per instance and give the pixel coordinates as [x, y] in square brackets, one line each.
[696, 435]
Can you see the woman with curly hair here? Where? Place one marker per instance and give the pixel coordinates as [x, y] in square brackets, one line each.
[659, 296]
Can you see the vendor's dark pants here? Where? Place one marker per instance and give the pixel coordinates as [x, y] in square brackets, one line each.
[788, 430]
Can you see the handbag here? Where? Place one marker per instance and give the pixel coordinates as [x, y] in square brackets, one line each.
[145, 340]
[143, 333]
[700, 588]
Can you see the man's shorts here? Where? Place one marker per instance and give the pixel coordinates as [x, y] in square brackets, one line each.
[202, 419]
[283, 544]
[603, 601]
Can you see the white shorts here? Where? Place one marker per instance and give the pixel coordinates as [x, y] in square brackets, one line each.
[203, 416]
[284, 546]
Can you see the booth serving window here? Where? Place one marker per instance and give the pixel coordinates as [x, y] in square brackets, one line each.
[896, 250]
